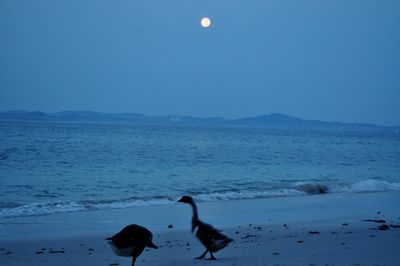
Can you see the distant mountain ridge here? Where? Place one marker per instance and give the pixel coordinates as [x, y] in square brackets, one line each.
[274, 120]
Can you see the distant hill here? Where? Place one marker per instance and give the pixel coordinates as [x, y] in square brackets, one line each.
[265, 121]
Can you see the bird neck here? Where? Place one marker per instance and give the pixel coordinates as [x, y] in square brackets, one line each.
[195, 218]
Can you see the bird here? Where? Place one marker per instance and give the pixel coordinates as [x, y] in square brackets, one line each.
[210, 237]
[131, 241]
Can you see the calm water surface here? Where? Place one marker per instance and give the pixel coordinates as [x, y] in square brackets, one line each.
[54, 167]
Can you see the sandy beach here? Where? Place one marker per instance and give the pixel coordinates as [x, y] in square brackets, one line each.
[330, 229]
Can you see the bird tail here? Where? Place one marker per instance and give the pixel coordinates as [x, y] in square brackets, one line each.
[151, 245]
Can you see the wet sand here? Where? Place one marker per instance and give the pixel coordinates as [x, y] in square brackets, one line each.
[341, 229]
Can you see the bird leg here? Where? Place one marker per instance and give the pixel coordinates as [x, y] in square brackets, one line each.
[212, 256]
[136, 252]
[202, 255]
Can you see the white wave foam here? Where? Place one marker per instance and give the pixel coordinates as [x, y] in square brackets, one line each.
[298, 189]
[128, 204]
[372, 185]
[248, 195]
[41, 209]
[67, 206]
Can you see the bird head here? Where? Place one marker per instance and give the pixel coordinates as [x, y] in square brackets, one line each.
[186, 199]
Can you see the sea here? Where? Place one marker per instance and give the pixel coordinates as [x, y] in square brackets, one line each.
[49, 167]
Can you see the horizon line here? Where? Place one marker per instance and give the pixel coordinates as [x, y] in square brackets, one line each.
[203, 117]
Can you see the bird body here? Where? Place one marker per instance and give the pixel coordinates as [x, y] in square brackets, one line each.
[210, 237]
[131, 241]
[123, 252]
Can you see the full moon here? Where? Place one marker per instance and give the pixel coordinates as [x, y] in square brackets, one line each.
[205, 22]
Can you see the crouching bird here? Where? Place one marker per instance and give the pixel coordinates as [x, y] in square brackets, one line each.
[131, 241]
[210, 237]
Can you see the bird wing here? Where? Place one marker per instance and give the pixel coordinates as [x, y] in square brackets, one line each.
[211, 238]
[207, 230]
[131, 235]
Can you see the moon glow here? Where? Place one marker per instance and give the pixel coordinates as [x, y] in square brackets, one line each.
[205, 22]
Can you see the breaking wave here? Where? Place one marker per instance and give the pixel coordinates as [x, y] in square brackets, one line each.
[297, 189]
[372, 185]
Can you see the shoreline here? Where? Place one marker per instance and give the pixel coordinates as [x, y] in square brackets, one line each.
[313, 230]
[222, 213]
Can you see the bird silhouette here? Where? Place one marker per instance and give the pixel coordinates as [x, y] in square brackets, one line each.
[210, 237]
[131, 241]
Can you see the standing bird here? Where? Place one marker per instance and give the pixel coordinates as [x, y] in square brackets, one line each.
[131, 241]
[210, 237]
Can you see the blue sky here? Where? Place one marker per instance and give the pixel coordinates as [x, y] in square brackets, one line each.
[336, 60]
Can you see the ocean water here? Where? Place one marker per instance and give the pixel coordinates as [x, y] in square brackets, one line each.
[49, 168]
